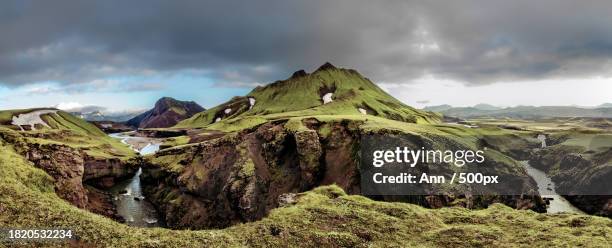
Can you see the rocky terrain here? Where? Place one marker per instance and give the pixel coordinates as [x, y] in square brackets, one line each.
[166, 113]
[240, 178]
[577, 156]
[280, 167]
[266, 149]
[321, 217]
[112, 127]
[581, 172]
[79, 158]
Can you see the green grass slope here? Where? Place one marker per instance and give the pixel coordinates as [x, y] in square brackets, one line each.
[69, 130]
[60, 121]
[301, 95]
[323, 217]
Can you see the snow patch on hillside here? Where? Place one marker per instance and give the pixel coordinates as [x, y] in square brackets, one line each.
[327, 98]
[31, 119]
[251, 102]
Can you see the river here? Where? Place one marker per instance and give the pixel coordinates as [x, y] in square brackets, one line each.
[137, 211]
[127, 195]
[546, 188]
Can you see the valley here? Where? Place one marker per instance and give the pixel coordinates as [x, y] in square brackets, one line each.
[127, 195]
[280, 166]
[576, 155]
[546, 187]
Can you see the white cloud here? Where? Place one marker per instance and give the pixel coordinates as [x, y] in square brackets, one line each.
[68, 105]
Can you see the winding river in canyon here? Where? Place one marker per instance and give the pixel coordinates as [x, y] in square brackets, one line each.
[127, 195]
[546, 188]
[137, 211]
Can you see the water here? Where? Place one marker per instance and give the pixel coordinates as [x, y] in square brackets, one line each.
[149, 149]
[546, 188]
[132, 205]
[127, 195]
[542, 138]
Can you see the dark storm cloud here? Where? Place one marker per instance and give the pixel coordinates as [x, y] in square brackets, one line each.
[243, 42]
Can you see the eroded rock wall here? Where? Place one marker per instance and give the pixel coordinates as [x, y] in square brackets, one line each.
[241, 177]
[72, 169]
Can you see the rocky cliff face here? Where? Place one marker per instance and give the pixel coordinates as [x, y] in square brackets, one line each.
[73, 170]
[227, 180]
[166, 113]
[66, 166]
[241, 177]
[112, 127]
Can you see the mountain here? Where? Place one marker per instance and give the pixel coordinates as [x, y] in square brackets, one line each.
[525, 112]
[239, 158]
[438, 108]
[106, 116]
[484, 106]
[300, 161]
[326, 91]
[166, 113]
[605, 105]
[98, 113]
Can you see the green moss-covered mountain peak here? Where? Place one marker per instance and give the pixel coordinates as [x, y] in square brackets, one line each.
[326, 91]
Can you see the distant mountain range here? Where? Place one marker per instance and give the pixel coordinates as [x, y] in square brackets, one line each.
[605, 105]
[166, 113]
[98, 115]
[524, 112]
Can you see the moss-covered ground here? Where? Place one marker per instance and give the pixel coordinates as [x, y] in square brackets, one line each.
[322, 217]
[302, 96]
[66, 129]
[325, 216]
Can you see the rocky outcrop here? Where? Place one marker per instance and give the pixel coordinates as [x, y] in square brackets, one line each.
[592, 204]
[160, 133]
[112, 127]
[240, 178]
[298, 74]
[326, 66]
[227, 180]
[101, 202]
[309, 153]
[104, 172]
[65, 165]
[71, 168]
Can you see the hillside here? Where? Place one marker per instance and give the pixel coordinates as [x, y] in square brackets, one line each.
[322, 217]
[52, 126]
[51, 119]
[70, 150]
[166, 113]
[270, 173]
[326, 91]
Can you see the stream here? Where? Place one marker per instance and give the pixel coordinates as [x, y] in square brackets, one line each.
[137, 211]
[127, 194]
[546, 188]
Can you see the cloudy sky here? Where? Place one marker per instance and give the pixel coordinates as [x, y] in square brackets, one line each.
[126, 54]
